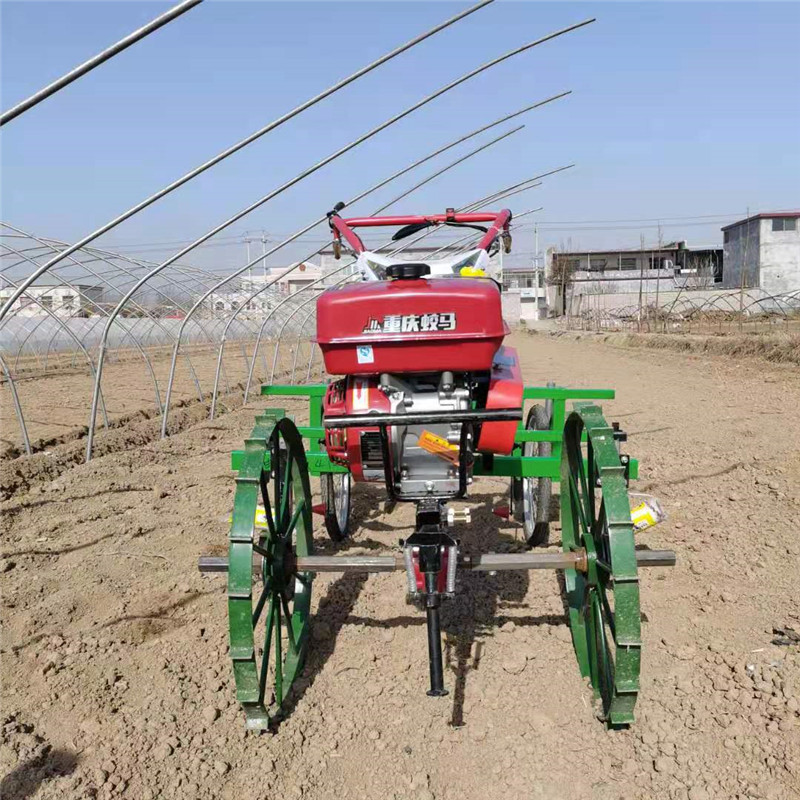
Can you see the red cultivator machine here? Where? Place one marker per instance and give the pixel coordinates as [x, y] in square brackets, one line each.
[428, 399]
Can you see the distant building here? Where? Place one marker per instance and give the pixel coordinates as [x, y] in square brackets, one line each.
[278, 281]
[529, 282]
[763, 251]
[295, 277]
[63, 300]
[651, 269]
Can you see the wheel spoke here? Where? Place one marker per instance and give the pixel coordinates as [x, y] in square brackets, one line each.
[608, 611]
[262, 552]
[604, 662]
[578, 505]
[262, 599]
[262, 677]
[278, 658]
[288, 619]
[286, 485]
[266, 503]
[295, 516]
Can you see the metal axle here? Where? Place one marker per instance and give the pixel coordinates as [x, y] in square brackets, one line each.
[488, 562]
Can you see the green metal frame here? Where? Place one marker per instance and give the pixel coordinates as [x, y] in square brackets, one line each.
[595, 512]
[511, 466]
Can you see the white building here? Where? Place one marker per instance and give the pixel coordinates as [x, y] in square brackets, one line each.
[529, 282]
[63, 300]
[279, 280]
[295, 277]
[763, 251]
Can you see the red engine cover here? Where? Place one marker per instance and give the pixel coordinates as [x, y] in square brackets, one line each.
[505, 391]
[352, 396]
[406, 326]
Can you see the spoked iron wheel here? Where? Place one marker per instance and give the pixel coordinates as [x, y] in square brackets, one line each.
[269, 601]
[530, 497]
[336, 498]
[604, 599]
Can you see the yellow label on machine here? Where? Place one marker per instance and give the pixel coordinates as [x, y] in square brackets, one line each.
[260, 520]
[439, 446]
[261, 517]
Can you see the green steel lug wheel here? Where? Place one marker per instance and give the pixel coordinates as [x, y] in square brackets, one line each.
[269, 601]
[604, 599]
[335, 488]
[530, 497]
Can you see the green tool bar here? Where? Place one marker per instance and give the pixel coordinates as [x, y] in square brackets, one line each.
[530, 467]
[559, 393]
[523, 435]
[287, 390]
[312, 432]
[317, 462]
[502, 467]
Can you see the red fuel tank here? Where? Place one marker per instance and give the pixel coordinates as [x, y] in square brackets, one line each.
[406, 326]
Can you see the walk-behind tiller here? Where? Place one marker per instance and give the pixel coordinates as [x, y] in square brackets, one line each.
[430, 398]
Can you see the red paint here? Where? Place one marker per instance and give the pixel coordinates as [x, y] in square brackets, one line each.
[441, 575]
[500, 223]
[504, 512]
[355, 395]
[505, 391]
[343, 314]
[343, 228]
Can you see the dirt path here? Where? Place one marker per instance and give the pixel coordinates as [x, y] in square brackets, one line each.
[116, 680]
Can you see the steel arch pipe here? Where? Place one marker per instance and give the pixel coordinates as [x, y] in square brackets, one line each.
[236, 147]
[95, 61]
[17, 407]
[320, 164]
[372, 189]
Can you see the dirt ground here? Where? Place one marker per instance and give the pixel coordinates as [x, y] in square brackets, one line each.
[57, 404]
[116, 680]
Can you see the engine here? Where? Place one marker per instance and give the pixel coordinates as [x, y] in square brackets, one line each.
[420, 356]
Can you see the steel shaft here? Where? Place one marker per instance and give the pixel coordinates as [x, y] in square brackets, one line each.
[487, 562]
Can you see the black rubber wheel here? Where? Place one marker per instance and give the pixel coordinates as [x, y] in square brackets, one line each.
[530, 497]
[335, 487]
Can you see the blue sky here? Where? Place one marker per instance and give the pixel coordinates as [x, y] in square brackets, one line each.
[680, 110]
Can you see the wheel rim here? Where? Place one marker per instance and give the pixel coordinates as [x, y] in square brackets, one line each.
[269, 602]
[341, 498]
[529, 485]
[604, 600]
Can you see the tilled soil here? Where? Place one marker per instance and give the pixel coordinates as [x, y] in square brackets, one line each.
[56, 403]
[116, 681]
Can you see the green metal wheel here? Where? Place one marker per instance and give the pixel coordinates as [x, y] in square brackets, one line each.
[604, 599]
[269, 601]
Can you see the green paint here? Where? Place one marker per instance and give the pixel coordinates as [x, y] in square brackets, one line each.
[286, 599]
[604, 612]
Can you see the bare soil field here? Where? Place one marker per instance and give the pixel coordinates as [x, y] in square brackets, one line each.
[116, 680]
[57, 404]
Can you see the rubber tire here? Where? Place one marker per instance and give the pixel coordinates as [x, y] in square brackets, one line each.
[537, 530]
[335, 530]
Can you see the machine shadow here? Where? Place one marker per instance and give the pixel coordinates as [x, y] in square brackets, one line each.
[25, 779]
[483, 600]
